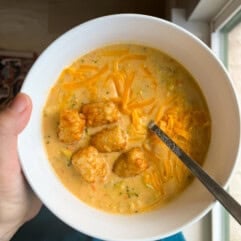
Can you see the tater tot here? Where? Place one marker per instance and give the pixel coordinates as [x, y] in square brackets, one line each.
[110, 140]
[71, 126]
[130, 163]
[90, 164]
[100, 113]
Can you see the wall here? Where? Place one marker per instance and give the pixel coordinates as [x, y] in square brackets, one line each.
[30, 25]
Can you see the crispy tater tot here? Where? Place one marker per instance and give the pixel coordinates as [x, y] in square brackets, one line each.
[90, 164]
[100, 113]
[71, 126]
[130, 163]
[110, 140]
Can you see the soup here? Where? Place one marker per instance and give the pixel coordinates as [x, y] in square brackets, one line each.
[95, 127]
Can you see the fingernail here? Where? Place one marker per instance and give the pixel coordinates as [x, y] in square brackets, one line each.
[19, 104]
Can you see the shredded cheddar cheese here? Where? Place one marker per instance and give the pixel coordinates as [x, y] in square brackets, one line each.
[133, 57]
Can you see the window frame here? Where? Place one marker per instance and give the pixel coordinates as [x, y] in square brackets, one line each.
[224, 22]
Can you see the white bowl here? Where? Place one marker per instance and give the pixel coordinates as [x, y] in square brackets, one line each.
[215, 84]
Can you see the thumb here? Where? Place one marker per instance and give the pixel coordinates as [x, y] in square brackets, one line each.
[12, 121]
[14, 118]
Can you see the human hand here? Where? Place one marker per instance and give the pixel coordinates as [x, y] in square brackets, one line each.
[18, 203]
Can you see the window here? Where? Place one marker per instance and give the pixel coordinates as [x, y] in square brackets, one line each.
[226, 43]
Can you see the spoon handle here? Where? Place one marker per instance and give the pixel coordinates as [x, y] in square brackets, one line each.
[231, 205]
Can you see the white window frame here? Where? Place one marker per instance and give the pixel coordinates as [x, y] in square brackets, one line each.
[219, 21]
[220, 220]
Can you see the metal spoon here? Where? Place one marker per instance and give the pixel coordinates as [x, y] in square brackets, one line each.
[231, 205]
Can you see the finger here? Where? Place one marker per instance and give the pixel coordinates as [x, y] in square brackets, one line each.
[14, 118]
[12, 121]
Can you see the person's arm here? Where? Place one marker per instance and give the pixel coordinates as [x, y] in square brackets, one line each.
[18, 203]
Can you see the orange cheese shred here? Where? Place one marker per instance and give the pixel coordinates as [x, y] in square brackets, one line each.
[152, 180]
[126, 93]
[80, 83]
[102, 71]
[118, 80]
[142, 104]
[150, 75]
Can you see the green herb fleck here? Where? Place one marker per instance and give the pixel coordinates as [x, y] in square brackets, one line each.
[69, 163]
[131, 193]
[86, 131]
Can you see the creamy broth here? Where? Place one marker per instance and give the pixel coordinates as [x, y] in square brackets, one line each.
[142, 84]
